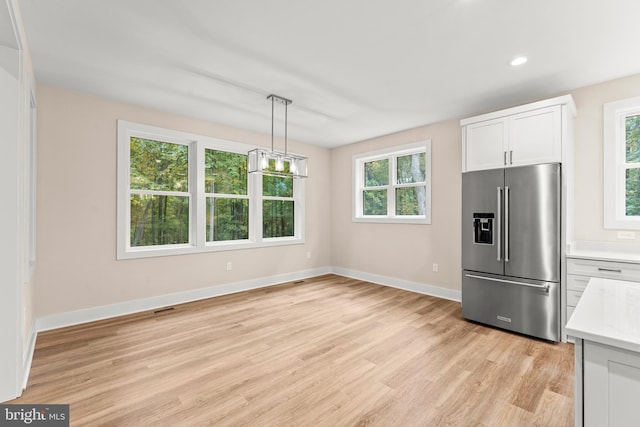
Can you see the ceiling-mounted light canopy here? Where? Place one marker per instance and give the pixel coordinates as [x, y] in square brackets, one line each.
[518, 61]
[277, 163]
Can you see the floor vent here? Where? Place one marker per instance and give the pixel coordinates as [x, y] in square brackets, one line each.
[298, 282]
[162, 310]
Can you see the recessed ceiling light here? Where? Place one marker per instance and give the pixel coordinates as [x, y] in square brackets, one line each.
[519, 61]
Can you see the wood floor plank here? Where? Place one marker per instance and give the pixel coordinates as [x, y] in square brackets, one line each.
[331, 351]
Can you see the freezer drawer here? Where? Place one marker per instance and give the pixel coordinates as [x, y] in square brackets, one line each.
[526, 306]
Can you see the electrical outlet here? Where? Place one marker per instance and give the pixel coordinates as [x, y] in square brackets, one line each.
[308, 255]
[627, 235]
[229, 266]
[435, 267]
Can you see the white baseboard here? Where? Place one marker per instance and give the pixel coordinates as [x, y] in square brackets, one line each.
[77, 317]
[406, 285]
[28, 355]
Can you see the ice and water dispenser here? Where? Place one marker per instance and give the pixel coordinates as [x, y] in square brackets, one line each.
[483, 228]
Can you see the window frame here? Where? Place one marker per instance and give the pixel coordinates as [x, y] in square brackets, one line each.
[392, 154]
[197, 205]
[615, 165]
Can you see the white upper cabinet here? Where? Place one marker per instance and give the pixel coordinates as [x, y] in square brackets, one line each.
[525, 135]
[486, 144]
[534, 137]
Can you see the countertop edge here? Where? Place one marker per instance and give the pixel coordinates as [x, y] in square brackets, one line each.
[606, 340]
[605, 256]
[604, 251]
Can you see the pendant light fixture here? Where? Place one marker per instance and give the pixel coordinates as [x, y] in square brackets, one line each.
[277, 163]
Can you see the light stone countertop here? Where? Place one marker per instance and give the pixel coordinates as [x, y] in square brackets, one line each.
[608, 313]
[605, 251]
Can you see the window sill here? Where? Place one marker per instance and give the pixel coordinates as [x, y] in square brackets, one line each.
[396, 220]
[208, 247]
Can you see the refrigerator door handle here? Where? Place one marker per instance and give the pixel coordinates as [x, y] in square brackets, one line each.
[499, 221]
[506, 223]
[511, 282]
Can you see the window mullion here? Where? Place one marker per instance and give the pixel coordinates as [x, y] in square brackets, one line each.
[391, 191]
[289, 199]
[255, 207]
[124, 186]
[197, 188]
[227, 196]
[298, 209]
[160, 193]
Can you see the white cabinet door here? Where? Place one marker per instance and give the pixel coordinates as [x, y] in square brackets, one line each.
[535, 137]
[485, 144]
[611, 386]
[528, 138]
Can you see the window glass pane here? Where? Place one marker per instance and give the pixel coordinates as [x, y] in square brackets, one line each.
[276, 186]
[159, 220]
[632, 192]
[376, 173]
[277, 218]
[227, 219]
[411, 168]
[157, 165]
[411, 200]
[375, 202]
[632, 140]
[224, 172]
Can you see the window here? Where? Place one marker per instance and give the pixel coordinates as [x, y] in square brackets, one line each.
[278, 206]
[159, 198]
[182, 193]
[622, 164]
[393, 185]
[227, 199]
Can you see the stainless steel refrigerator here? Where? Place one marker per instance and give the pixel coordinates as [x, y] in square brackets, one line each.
[511, 252]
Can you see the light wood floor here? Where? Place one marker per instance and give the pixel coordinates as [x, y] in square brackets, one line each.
[327, 352]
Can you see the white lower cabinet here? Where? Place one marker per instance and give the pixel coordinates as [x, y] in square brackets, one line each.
[579, 271]
[611, 386]
[606, 328]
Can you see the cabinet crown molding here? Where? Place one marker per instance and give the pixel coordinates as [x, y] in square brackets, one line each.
[559, 100]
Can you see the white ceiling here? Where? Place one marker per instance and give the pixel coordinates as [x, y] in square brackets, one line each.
[355, 69]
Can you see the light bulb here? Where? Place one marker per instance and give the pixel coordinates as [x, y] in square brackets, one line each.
[293, 166]
[279, 164]
[264, 162]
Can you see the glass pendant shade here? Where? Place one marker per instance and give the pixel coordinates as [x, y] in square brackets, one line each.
[277, 163]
